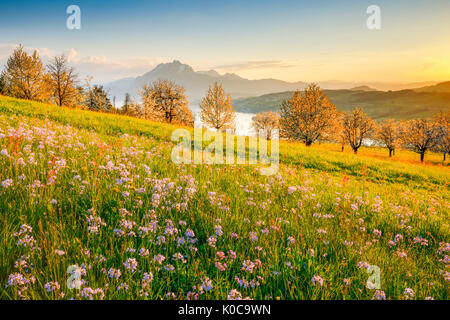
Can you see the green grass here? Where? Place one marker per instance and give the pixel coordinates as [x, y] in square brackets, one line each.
[69, 168]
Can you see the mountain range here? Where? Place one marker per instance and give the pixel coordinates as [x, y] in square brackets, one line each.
[196, 83]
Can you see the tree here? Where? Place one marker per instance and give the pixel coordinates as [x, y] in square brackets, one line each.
[266, 121]
[217, 109]
[357, 126]
[63, 81]
[337, 135]
[184, 116]
[420, 136]
[126, 104]
[2, 84]
[307, 116]
[97, 99]
[25, 77]
[443, 121]
[388, 134]
[165, 98]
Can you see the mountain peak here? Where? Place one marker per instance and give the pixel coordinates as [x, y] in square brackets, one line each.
[172, 67]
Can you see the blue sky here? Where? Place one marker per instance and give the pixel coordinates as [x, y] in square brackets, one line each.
[290, 40]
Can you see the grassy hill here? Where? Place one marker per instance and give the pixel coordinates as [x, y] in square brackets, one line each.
[100, 192]
[404, 104]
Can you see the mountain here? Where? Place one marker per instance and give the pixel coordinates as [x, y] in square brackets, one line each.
[197, 83]
[363, 88]
[402, 104]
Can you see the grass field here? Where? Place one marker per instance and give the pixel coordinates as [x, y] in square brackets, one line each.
[99, 191]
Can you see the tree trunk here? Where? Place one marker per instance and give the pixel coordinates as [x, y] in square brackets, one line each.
[342, 148]
[355, 150]
[390, 153]
[308, 143]
[422, 155]
[445, 155]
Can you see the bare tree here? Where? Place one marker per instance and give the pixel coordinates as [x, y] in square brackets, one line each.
[266, 121]
[217, 109]
[307, 116]
[420, 135]
[388, 134]
[357, 126]
[63, 81]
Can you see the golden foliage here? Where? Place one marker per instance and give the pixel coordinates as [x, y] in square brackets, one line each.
[266, 121]
[388, 134]
[25, 77]
[163, 100]
[217, 109]
[357, 126]
[307, 116]
[420, 135]
[443, 121]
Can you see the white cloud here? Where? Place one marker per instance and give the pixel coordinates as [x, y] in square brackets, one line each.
[101, 68]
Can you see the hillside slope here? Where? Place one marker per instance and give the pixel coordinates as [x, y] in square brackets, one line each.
[98, 193]
[404, 104]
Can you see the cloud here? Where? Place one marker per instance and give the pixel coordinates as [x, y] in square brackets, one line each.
[102, 68]
[248, 65]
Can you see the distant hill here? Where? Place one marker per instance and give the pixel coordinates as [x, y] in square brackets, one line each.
[440, 87]
[403, 104]
[363, 88]
[197, 83]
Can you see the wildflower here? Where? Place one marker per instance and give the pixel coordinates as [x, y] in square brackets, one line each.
[291, 240]
[379, 295]
[7, 183]
[159, 258]
[59, 252]
[206, 284]
[317, 280]
[131, 264]
[409, 294]
[114, 273]
[234, 295]
[212, 241]
[291, 190]
[253, 237]
[51, 286]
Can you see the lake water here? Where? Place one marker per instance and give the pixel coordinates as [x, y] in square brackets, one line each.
[243, 121]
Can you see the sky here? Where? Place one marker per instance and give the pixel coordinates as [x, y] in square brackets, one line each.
[289, 40]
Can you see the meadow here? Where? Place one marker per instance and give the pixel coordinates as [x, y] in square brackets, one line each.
[99, 191]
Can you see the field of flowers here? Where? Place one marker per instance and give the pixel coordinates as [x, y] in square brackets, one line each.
[100, 192]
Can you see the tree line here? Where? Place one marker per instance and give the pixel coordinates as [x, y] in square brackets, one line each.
[310, 117]
[26, 77]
